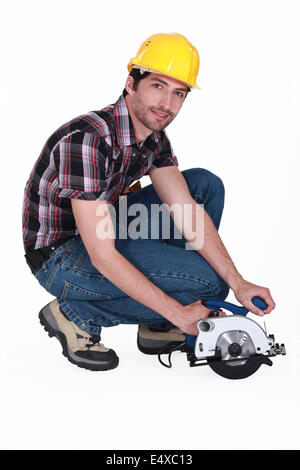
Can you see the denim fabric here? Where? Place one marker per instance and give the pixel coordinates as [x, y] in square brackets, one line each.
[92, 301]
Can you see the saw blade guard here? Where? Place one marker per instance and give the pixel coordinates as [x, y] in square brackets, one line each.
[215, 304]
[236, 330]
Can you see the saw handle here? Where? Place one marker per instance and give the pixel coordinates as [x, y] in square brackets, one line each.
[215, 304]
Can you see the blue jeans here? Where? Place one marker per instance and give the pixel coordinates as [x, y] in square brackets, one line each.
[92, 301]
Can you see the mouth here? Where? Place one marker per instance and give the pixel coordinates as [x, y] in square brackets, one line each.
[159, 115]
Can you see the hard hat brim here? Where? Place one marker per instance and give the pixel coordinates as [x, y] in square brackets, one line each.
[145, 69]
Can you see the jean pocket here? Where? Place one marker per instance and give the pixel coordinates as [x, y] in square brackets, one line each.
[72, 255]
[46, 274]
[73, 292]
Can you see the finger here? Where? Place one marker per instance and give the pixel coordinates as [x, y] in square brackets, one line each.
[200, 303]
[193, 331]
[270, 302]
[212, 314]
[222, 313]
[216, 313]
[266, 296]
[253, 309]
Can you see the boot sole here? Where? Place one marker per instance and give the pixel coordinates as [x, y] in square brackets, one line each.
[63, 341]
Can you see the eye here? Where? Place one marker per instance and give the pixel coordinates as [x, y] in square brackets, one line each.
[179, 93]
[156, 84]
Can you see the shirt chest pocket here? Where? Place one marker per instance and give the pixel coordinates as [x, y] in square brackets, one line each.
[113, 163]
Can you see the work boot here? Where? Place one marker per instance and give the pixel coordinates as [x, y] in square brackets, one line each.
[79, 347]
[152, 340]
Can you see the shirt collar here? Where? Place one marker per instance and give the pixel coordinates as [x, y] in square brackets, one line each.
[124, 126]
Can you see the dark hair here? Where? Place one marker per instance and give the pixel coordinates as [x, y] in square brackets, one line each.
[137, 77]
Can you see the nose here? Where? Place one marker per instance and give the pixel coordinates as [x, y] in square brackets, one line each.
[165, 102]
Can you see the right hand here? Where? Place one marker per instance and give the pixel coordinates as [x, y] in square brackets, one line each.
[191, 314]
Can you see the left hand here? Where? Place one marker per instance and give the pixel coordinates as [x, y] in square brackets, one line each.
[244, 293]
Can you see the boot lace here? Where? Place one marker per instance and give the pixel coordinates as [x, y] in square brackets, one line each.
[94, 341]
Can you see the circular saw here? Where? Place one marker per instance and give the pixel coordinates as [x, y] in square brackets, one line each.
[233, 346]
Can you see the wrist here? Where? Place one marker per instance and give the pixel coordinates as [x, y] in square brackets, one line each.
[172, 309]
[235, 281]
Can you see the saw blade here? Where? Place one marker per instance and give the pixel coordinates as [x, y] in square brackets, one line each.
[238, 341]
[234, 344]
[249, 367]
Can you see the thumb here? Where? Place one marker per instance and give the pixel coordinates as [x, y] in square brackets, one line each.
[197, 302]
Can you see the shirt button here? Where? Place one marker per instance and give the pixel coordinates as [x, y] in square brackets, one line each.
[156, 140]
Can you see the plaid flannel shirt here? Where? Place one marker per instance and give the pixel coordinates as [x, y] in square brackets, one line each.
[93, 157]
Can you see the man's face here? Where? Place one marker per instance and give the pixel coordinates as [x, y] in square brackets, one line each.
[157, 100]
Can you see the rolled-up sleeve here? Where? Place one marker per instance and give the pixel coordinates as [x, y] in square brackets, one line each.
[165, 155]
[80, 161]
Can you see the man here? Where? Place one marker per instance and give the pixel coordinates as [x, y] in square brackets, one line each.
[102, 281]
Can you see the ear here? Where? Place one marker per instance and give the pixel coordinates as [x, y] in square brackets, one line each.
[129, 85]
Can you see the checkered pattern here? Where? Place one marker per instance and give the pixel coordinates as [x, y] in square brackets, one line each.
[93, 157]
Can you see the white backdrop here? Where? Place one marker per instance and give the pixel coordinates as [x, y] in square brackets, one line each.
[64, 58]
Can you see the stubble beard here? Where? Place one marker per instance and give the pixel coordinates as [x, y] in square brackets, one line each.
[141, 113]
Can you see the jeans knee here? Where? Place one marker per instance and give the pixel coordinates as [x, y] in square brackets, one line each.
[199, 179]
[223, 290]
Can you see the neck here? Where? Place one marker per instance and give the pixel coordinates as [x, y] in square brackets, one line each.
[141, 131]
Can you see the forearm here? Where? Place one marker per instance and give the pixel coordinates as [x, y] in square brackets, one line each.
[216, 254]
[201, 232]
[130, 280]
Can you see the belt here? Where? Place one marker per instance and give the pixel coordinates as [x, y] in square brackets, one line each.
[36, 258]
[134, 187]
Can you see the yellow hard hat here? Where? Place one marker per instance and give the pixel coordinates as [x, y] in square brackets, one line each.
[170, 54]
